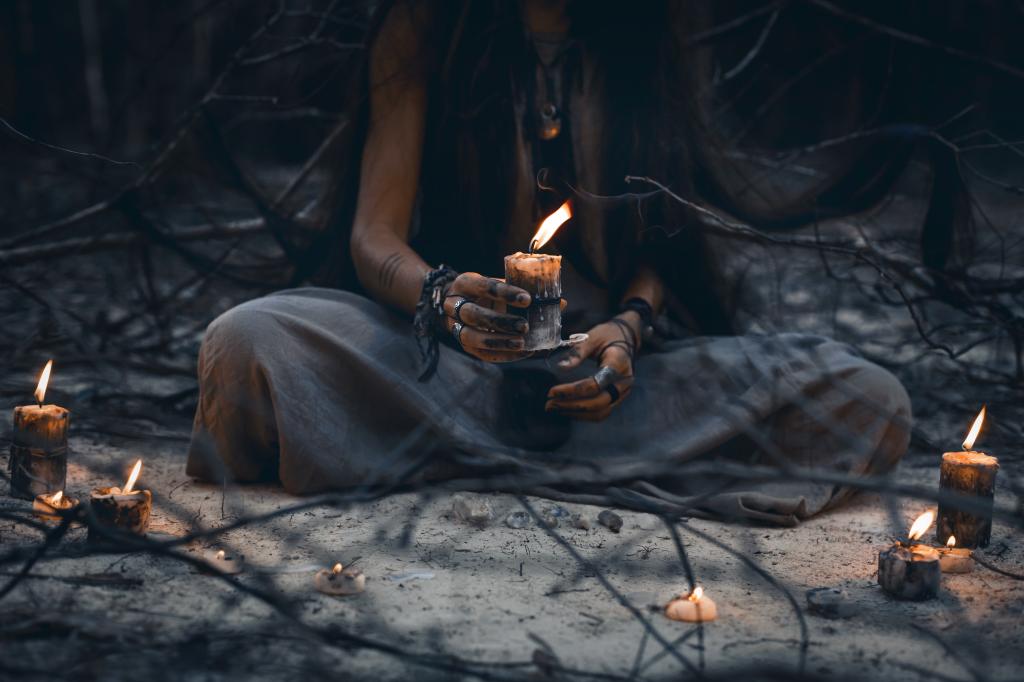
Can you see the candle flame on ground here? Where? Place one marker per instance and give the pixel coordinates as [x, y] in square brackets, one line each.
[56, 497]
[44, 379]
[550, 225]
[337, 569]
[920, 525]
[132, 478]
[975, 429]
[951, 542]
[697, 593]
[220, 554]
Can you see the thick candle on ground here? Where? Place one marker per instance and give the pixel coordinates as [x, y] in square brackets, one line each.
[39, 444]
[124, 509]
[908, 570]
[967, 473]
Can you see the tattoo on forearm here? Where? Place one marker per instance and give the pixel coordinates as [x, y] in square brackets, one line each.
[388, 270]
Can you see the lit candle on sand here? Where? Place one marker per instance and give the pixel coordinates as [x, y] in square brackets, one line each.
[52, 507]
[39, 445]
[340, 581]
[124, 509]
[693, 608]
[953, 559]
[541, 276]
[967, 473]
[908, 570]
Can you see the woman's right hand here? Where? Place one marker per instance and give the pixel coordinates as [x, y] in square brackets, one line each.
[488, 332]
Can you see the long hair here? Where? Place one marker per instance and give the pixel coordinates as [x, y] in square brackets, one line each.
[476, 60]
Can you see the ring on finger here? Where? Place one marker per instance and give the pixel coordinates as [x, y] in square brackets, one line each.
[605, 377]
[613, 392]
[457, 332]
[457, 310]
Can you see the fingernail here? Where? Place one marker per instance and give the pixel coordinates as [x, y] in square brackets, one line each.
[563, 363]
[522, 327]
[523, 298]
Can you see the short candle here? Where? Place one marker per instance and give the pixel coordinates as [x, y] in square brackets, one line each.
[124, 509]
[953, 559]
[911, 571]
[693, 608]
[51, 507]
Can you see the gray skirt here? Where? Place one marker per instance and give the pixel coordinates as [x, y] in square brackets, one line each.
[317, 388]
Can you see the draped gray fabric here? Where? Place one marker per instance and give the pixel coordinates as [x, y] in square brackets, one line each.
[317, 388]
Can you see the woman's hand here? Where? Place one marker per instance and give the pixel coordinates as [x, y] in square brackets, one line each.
[479, 305]
[613, 345]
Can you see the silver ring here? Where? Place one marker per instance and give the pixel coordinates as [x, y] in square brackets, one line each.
[456, 312]
[605, 377]
[457, 332]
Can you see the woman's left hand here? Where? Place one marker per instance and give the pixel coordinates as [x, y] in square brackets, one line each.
[613, 345]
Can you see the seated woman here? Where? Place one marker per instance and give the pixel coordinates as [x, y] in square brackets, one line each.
[483, 117]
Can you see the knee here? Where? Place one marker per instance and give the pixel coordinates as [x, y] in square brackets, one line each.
[881, 397]
[235, 337]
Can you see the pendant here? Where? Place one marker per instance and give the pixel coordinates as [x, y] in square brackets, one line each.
[550, 122]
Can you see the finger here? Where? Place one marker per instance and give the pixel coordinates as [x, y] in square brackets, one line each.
[474, 338]
[577, 354]
[562, 304]
[577, 390]
[473, 315]
[591, 404]
[473, 285]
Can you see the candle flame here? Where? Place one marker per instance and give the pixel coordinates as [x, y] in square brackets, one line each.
[921, 524]
[550, 225]
[132, 477]
[220, 555]
[44, 379]
[697, 593]
[337, 569]
[975, 429]
[56, 497]
[951, 542]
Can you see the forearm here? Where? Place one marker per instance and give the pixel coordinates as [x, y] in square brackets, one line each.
[388, 268]
[645, 285]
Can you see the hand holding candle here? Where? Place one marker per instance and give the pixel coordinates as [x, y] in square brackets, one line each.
[39, 445]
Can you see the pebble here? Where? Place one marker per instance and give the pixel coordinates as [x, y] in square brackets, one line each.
[580, 521]
[475, 511]
[610, 520]
[517, 519]
[557, 512]
[829, 602]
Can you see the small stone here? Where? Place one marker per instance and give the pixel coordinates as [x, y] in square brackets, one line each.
[610, 520]
[517, 519]
[549, 520]
[829, 602]
[580, 521]
[475, 511]
[557, 512]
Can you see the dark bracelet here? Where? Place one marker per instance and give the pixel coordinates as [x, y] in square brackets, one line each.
[646, 313]
[428, 323]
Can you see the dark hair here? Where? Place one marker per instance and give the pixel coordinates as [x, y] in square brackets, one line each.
[476, 59]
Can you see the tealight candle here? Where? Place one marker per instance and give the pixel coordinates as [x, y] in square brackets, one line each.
[967, 473]
[541, 276]
[693, 608]
[39, 445]
[223, 562]
[50, 507]
[953, 559]
[125, 509]
[911, 571]
[338, 581]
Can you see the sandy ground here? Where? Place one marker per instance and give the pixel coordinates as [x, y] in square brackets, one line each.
[488, 594]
